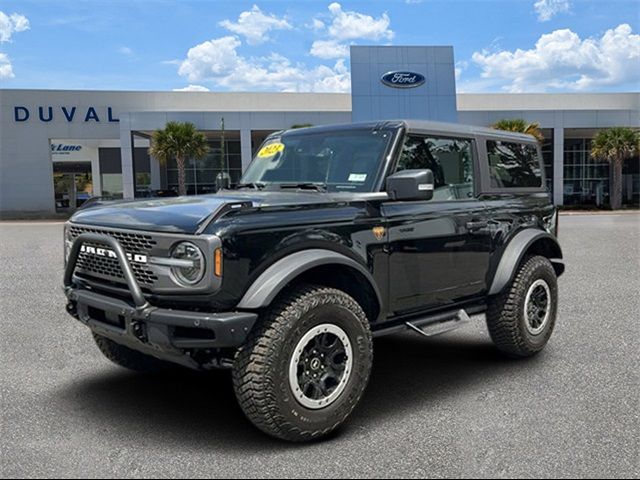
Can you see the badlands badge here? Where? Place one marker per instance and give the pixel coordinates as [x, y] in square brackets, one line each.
[379, 232]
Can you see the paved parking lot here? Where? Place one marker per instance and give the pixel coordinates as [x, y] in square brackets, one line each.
[447, 406]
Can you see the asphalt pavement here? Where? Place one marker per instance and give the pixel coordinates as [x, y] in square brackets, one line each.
[447, 406]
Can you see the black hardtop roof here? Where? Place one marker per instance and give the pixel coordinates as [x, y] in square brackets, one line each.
[415, 126]
[457, 128]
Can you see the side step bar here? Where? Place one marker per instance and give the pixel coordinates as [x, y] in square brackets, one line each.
[432, 325]
[430, 329]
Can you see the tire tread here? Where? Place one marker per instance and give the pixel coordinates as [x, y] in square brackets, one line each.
[253, 378]
[503, 313]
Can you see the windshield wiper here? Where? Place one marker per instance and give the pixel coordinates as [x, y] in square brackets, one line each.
[320, 187]
[252, 185]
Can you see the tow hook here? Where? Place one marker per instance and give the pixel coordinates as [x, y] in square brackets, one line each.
[72, 309]
[139, 330]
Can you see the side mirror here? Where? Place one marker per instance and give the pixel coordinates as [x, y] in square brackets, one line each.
[410, 185]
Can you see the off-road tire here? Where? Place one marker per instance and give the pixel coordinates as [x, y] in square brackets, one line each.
[261, 367]
[130, 359]
[506, 311]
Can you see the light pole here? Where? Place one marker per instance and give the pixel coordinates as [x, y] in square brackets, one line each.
[223, 179]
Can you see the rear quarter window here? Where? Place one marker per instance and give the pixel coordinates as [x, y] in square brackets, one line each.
[513, 165]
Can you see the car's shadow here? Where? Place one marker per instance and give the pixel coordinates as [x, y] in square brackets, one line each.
[200, 408]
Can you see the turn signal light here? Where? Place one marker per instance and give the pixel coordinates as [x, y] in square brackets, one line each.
[217, 262]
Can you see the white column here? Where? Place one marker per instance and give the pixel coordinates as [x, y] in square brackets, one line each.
[558, 166]
[95, 175]
[126, 152]
[245, 148]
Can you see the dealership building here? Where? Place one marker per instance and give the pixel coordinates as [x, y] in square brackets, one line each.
[59, 147]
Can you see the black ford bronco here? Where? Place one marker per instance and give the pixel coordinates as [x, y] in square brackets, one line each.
[335, 235]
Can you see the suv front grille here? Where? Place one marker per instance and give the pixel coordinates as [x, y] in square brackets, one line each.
[109, 268]
[131, 242]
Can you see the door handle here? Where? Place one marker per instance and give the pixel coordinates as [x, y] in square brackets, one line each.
[477, 225]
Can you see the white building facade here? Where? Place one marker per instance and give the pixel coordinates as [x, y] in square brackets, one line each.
[57, 148]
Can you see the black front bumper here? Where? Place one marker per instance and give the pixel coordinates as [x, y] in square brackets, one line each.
[172, 335]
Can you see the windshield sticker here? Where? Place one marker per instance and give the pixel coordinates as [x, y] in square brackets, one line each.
[358, 177]
[270, 150]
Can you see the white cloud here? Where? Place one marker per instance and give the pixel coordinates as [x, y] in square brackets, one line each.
[547, 9]
[192, 88]
[211, 59]
[317, 25]
[278, 73]
[10, 24]
[218, 61]
[562, 60]
[126, 51]
[6, 70]
[255, 24]
[329, 49]
[354, 25]
[345, 26]
[336, 79]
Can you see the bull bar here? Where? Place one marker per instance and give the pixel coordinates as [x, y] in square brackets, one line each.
[165, 333]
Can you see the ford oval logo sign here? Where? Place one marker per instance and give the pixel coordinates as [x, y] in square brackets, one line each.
[403, 79]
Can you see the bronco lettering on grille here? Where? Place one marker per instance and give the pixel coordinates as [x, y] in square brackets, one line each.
[105, 252]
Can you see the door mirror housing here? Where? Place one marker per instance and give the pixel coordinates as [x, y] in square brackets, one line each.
[410, 185]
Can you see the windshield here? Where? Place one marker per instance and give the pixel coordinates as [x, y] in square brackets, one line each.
[347, 160]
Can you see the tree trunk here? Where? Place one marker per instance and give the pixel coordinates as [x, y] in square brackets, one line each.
[616, 184]
[182, 187]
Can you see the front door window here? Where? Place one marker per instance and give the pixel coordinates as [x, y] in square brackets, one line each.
[450, 160]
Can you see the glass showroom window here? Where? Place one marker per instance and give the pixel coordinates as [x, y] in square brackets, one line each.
[547, 156]
[631, 182]
[110, 172]
[586, 181]
[201, 174]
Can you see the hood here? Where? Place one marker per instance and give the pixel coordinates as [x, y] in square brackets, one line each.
[185, 214]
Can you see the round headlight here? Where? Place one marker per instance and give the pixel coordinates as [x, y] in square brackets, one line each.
[192, 270]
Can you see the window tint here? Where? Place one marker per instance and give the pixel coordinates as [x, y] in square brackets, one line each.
[450, 160]
[513, 165]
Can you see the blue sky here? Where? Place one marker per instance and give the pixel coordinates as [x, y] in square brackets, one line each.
[500, 46]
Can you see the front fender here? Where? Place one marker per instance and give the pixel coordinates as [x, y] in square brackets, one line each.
[517, 248]
[275, 278]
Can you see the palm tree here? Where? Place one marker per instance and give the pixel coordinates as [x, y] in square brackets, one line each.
[180, 141]
[615, 145]
[520, 126]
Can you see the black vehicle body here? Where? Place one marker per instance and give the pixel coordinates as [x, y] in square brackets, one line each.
[407, 263]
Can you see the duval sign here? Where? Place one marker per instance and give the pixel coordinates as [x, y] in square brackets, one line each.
[403, 79]
[69, 114]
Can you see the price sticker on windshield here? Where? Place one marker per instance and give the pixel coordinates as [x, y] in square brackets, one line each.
[358, 177]
[270, 150]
